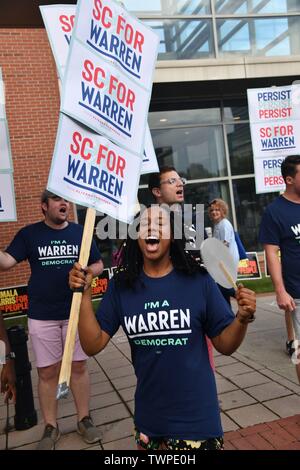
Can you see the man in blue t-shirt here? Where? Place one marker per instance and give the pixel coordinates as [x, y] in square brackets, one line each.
[280, 230]
[51, 247]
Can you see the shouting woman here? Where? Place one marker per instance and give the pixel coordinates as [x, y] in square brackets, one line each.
[166, 304]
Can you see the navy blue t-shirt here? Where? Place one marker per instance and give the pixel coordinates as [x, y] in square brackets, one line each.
[281, 226]
[165, 320]
[51, 254]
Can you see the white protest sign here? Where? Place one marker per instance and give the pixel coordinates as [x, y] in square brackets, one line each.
[7, 198]
[5, 152]
[275, 121]
[268, 176]
[275, 132]
[149, 164]
[90, 170]
[59, 22]
[99, 95]
[2, 98]
[106, 27]
[7, 194]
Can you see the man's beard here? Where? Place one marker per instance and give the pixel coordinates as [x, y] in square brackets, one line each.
[58, 221]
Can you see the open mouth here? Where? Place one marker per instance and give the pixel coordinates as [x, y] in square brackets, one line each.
[179, 192]
[152, 241]
[63, 210]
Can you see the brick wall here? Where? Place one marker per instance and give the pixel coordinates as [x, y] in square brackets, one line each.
[32, 108]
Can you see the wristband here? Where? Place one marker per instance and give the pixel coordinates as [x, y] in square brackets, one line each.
[245, 320]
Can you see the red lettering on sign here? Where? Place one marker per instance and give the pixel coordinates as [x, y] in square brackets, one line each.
[67, 23]
[91, 74]
[124, 95]
[113, 161]
[265, 132]
[283, 130]
[104, 15]
[81, 145]
[134, 38]
[273, 180]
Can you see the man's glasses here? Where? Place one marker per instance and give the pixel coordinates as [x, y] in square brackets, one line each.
[173, 181]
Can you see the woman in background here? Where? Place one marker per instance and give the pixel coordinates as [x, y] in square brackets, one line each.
[224, 231]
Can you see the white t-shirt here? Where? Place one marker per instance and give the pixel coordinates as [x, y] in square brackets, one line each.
[224, 232]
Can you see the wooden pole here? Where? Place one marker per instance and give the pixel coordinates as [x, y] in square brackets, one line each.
[227, 275]
[65, 371]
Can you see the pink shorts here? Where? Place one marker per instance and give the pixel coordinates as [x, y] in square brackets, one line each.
[48, 339]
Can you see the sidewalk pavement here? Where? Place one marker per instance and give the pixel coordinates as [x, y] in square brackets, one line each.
[258, 390]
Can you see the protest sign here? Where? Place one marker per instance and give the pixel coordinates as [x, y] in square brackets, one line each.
[100, 284]
[5, 152]
[249, 268]
[7, 198]
[7, 194]
[98, 95]
[275, 132]
[86, 168]
[13, 301]
[149, 163]
[268, 176]
[112, 36]
[107, 28]
[2, 98]
[90, 170]
[59, 22]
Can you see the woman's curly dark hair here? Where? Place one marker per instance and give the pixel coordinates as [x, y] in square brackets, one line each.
[131, 259]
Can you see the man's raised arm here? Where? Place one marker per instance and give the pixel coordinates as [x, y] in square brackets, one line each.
[6, 261]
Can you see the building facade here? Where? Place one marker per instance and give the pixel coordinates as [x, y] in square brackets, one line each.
[211, 52]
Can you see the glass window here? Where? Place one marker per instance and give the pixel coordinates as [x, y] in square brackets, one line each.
[249, 208]
[233, 36]
[240, 148]
[235, 110]
[278, 36]
[231, 7]
[264, 37]
[195, 152]
[159, 119]
[169, 7]
[142, 6]
[203, 193]
[189, 39]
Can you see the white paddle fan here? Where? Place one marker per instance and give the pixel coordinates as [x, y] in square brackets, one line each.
[219, 262]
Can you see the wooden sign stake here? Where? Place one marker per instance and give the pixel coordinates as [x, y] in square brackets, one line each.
[66, 366]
